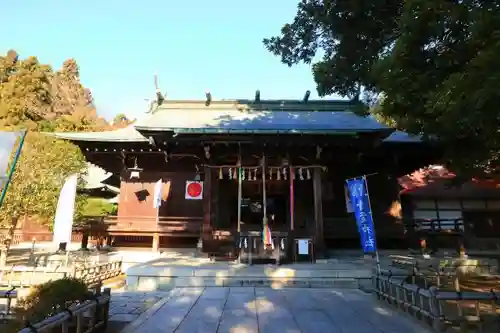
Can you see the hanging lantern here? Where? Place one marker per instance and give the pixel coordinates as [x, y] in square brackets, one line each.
[230, 173]
[221, 175]
[278, 174]
[255, 174]
[284, 173]
[270, 174]
[308, 173]
[242, 174]
[301, 175]
[235, 175]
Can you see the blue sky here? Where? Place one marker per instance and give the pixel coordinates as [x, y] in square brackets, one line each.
[193, 46]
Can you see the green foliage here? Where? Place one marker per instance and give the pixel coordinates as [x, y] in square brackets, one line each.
[50, 298]
[35, 97]
[98, 207]
[43, 166]
[24, 91]
[435, 62]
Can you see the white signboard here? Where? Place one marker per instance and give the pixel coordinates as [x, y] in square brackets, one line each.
[194, 190]
[303, 246]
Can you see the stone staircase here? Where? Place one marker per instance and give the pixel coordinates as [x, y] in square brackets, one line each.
[163, 274]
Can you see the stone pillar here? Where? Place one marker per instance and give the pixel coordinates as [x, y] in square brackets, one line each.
[319, 238]
[156, 242]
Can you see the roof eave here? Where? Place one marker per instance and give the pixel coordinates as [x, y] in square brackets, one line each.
[264, 131]
[78, 138]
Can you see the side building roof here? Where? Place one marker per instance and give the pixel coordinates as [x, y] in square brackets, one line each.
[126, 134]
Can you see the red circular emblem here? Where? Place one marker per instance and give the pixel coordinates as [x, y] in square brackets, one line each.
[194, 190]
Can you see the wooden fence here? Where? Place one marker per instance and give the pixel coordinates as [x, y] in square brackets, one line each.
[440, 309]
[24, 277]
[443, 276]
[8, 295]
[87, 317]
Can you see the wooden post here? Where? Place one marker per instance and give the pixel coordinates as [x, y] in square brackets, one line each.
[292, 199]
[264, 192]
[207, 199]
[319, 238]
[85, 240]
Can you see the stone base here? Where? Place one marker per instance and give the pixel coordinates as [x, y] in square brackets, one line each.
[164, 274]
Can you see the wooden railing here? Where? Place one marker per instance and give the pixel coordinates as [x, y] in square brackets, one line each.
[436, 225]
[8, 295]
[166, 225]
[23, 277]
[439, 309]
[386, 226]
[87, 317]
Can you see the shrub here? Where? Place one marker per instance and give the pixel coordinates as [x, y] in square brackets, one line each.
[50, 298]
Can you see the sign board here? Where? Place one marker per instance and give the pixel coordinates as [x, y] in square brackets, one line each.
[194, 190]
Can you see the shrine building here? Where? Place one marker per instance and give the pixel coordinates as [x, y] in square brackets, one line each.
[225, 166]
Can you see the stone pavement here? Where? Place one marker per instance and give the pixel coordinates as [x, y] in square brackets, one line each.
[266, 310]
[126, 306]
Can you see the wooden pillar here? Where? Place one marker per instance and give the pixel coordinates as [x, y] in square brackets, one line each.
[292, 199]
[319, 238]
[206, 228]
[85, 239]
[156, 242]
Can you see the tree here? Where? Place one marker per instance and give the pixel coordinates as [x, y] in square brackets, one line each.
[24, 91]
[434, 62]
[44, 165]
[34, 97]
[121, 120]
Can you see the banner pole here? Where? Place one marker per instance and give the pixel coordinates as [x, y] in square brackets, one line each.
[377, 258]
[13, 167]
[364, 176]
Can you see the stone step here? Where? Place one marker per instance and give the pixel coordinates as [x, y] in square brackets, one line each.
[165, 273]
[161, 283]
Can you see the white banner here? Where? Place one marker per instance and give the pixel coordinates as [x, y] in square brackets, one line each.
[7, 143]
[157, 194]
[348, 203]
[63, 222]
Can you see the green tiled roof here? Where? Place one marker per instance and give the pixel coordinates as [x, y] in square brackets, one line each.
[317, 117]
[244, 116]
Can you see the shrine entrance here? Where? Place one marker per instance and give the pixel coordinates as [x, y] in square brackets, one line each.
[265, 211]
[286, 208]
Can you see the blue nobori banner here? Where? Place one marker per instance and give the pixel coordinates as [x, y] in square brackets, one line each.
[360, 200]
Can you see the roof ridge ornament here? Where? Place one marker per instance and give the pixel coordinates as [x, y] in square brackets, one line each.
[208, 98]
[306, 96]
[160, 98]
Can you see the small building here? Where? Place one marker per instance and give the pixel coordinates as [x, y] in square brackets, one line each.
[292, 156]
[466, 213]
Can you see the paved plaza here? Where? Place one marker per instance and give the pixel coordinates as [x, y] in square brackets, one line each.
[266, 310]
